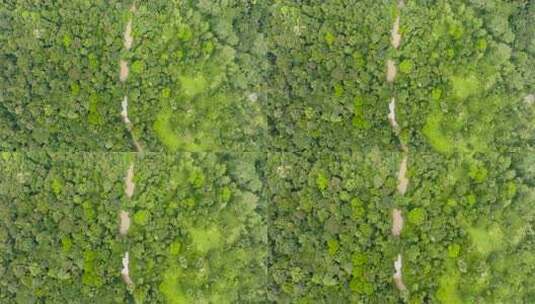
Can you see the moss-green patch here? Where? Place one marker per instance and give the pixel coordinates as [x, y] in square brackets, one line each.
[453, 250]
[196, 178]
[184, 32]
[464, 87]
[322, 181]
[455, 29]
[175, 247]
[487, 239]
[477, 172]
[359, 259]
[188, 130]
[359, 60]
[89, 211]
[329, 38]
[482, 44]
[226, 194]
[193, 85]
[67, 40]
[510, 190]
[164, 131]
[66, 244]
[90, 276]
[137, 67]
[75, 89]
[359, 120]
[56, 185]
[171, 288]
[142, 217]
[448, 288]
[434, 134]
[357, 209]
[360, 285]
[417, 216]
[205, 239]
[332, 247]
[94, 117]
[339, 90]
[208, 48]
[405, 66]
[436, 94]
[470, 199]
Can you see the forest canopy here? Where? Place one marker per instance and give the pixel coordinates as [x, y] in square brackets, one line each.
[283, 151]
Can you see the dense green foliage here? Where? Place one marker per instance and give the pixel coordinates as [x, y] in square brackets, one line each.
[467, 237]
[326, 86]
[198, 230]
[284, 75]
[475, 243]
[469, 76]
[270, 166]
[59, 76]
[330, 241]
[195, 76]
[194, 81]
[58, 227]
[461, 88]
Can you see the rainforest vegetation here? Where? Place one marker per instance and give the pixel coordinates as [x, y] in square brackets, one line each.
[267, 148]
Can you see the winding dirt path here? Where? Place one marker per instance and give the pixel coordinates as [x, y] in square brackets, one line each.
[392, 115]
[129, 185]
[128, 41]
[125, 272]
[396, 36]
[397, 222]
[403, 181]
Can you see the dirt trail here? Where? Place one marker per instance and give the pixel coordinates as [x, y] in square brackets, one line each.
[128, 39]
[392, 115]
[124, 222]
[123, 71]
[391, 71]
[125, 272]
[403, 181]
[129, 185]
[396, 37]
[397, 222]
[129, 182]
[397, 275]
[124, 112]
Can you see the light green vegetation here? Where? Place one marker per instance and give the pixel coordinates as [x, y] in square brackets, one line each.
[486, 239]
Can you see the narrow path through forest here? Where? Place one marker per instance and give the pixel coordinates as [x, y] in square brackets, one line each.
[403, 181]
[129, 185]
